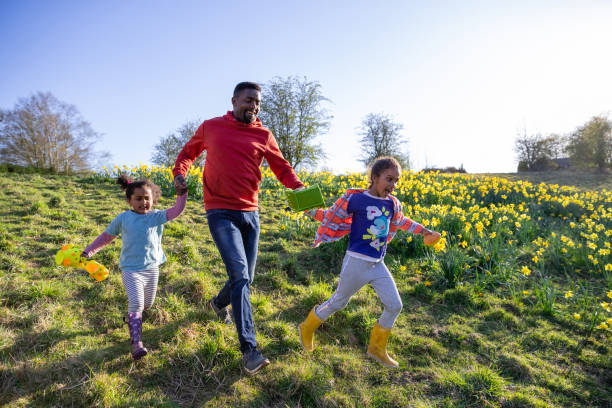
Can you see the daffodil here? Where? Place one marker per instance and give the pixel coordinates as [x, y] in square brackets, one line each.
[577, 316]
[440, 245]
[479, 226]
[526, 271]
[569, 294]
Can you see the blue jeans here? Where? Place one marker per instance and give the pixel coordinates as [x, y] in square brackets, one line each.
[236, 234]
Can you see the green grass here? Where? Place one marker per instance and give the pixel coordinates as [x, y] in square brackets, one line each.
[460, 343]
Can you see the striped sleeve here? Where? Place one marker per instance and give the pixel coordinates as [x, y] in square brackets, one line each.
[320, 214]
[400, 221]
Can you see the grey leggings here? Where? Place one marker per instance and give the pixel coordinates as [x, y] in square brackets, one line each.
[354, 275]
[141, 288]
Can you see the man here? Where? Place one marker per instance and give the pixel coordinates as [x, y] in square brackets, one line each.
[236, 145]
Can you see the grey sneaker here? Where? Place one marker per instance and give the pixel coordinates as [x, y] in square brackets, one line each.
[222, 313]
[254, 361]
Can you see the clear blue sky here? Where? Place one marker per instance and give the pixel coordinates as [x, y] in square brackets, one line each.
[463, 77]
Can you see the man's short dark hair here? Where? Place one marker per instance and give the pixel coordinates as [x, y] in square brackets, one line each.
[246, 85]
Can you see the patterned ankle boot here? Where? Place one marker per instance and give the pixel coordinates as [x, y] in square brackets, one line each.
[134, 321]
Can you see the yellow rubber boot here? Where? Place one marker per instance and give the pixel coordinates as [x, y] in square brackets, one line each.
[378, 346]
[307, 329]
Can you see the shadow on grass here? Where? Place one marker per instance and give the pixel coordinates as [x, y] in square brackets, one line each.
[183, 378]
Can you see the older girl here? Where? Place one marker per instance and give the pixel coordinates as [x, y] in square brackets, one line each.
[371, 218]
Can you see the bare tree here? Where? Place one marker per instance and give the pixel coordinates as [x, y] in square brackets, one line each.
[168, 148]
[291, 109]
[381, 137]
[44, 132]
[538, 152]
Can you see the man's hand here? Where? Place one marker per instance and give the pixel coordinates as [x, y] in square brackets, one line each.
[180, 185]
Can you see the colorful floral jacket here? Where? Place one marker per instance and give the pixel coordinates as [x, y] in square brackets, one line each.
[336, 221]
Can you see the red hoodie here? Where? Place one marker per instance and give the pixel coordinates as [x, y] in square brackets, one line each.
[234, 153]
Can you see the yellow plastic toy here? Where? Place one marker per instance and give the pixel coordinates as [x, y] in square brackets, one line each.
[71, 256]
[96, 271]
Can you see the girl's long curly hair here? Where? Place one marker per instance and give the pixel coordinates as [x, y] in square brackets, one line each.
[381, 164]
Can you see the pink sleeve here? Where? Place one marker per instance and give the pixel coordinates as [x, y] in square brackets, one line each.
[179, 206]
[103, 240]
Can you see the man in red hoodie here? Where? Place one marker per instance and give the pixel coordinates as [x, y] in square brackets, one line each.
[236, 145]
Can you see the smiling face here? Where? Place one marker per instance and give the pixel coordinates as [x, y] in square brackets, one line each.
[246, 105]
[384, 183]
[141, 200]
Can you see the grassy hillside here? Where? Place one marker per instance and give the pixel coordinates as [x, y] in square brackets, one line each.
[476, 329]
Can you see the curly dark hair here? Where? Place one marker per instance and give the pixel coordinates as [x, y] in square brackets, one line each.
[128, 185]
[381, 164]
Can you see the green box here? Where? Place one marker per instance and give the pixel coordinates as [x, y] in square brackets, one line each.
[305, 199]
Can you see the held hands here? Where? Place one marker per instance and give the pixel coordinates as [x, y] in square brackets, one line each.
[430, 237]
[180, 185]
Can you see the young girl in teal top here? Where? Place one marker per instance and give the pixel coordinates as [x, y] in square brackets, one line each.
[141, 230]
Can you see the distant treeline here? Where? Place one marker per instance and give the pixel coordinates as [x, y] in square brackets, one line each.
[589, 147]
